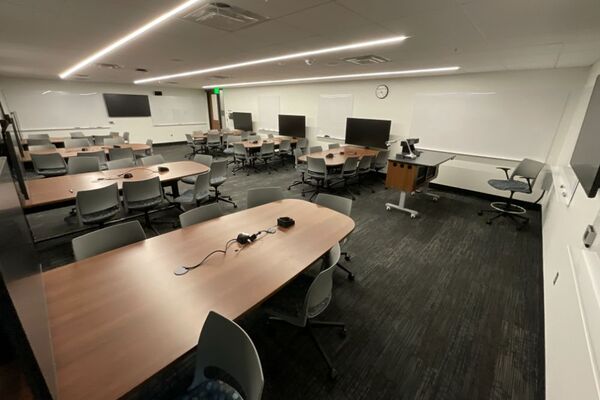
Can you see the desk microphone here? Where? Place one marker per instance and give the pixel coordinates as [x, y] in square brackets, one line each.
[163, 169]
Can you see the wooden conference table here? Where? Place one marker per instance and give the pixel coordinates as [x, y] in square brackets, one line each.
[56, 191]
[276, 141]
[204, 135]
[338, 158]
[118, 318]
[72, 151]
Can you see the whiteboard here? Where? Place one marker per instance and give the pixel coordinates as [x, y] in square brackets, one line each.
[332, 114]
[178, 110]
[268, 112]
[510, 124]
[57, 109]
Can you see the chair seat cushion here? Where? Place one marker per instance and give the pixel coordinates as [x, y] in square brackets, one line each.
[99, 216]
[52, 171]
[212, 390]
[228, 150]
[290, 299]
[217, 181]
[190, 180]
[512, 185]
[144, 204]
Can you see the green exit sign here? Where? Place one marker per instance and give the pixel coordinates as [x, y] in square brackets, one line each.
[216, 90]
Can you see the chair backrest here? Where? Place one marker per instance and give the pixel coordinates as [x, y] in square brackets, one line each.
[245, 135]
[114, 140]
[315, 149]
[260, 196]
[239, 150]
[202, 185]
[80, 165]
[334, 145]
[99, 139]
[218, 169]
[381, 159]
[76, 135]
[126, 137]
[37, 136]
[316, 165]
[267, 149]
[205, 159]
[303, 143]
[96, 200]
[152, 160]
[270, 136]
[149, 143]
[200, 214]
[100, 155]
[38, 142]
[285, 145]
[350, 166]
[253, 136]
[528, 169]
[81, 142]
[189, 138]
[38, 147]
[122, 163]
[340, 204]
[213, 138]
[320, 292]
[297, 154]
[47, 161]
[106, 239]
[225, 346]
[114, 134]
[364, 165]
[229, 138]
[147, 189]
[119, 153]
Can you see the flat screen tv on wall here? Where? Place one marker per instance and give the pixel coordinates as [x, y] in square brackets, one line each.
[126, 105]
[586, 156]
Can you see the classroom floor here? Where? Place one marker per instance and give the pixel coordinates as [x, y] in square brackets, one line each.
[443, 306]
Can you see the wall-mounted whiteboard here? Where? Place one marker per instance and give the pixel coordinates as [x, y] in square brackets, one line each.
[332, 114]
[178, 110]
[268, 112]
[55, 109]
[509, 124]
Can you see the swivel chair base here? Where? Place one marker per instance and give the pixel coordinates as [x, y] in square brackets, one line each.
[507, 210]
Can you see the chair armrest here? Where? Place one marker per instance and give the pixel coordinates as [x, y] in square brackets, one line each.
[505, 169]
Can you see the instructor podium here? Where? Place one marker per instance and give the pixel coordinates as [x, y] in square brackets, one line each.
[407, 176]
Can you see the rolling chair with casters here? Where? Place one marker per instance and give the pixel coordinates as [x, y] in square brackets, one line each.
[100, 155]
[118, 164]
[48, 165]
[198, 194]
[143, 196]
[218, 176]
[302, 144]
[342, 205]
[213, 141]
[317, 171]
[285, 150]
[204, 159]
[152, 160]
[227, 363]
[38, 142]
[266, 155]
[41, 147]
[364, 169]
[97, 206]
[380, 162]
[38, 136]
[349, 171]
[120, 153]
[106, 239]
[527, 170]
[304, 299]
[300, 167]
[126, 137]
[315, 149]
[78, 142]
[114, 140]
[242, 158]
[81, 165]
[194, 145]
[200, 214]
[259, 196]
[333, 146]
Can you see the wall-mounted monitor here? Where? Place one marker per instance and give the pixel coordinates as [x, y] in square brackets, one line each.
[292, 125]
[126, 105]
[368, 132]
[586, 156]
[242, 121]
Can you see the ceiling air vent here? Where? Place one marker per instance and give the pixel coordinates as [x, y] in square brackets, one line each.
[365, 60]
[109, 66]
[223, 16]
[218, 77]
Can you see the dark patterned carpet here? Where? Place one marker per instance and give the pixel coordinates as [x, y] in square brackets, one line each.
[443, 307]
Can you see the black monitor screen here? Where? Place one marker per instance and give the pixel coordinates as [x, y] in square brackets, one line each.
[368, 132]
[242, 121]
[292, 125]
[585, 160]
[127, 105]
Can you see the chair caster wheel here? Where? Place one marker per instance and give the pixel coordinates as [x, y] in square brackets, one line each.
[480, 213]
[388, 208]
[235, 206]
[435, 199]
[347, 258]
[333, 374]
[343, 332]
[488, 222]
[303, 195]
[351, 277]
[413, 216]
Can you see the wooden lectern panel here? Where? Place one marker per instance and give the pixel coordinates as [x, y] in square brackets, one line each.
[401, 176]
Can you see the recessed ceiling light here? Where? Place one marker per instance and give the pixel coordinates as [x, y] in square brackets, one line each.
[127, 38]
[336, 77]
[351, 46]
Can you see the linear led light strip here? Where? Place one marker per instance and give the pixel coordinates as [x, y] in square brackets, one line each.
[334, 77]
[352, 46]
[128, 38]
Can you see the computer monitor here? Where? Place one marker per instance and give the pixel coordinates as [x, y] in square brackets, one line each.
[292, 125]
[368, 132]
[242, 121]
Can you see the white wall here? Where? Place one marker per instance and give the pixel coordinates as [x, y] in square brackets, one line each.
[569, 372]
[467, 171]
[140, 128]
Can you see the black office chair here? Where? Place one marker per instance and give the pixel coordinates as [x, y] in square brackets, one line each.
[527, 170]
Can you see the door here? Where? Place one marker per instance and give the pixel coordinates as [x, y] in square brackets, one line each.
[214, 110]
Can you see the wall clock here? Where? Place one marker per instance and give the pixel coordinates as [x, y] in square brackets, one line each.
[382, 91]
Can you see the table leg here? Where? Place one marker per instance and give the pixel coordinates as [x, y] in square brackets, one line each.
[401, 206]
[175, 189]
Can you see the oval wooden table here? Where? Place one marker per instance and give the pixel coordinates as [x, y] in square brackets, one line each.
[72, 151]
[338, 158]
[118, 318]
